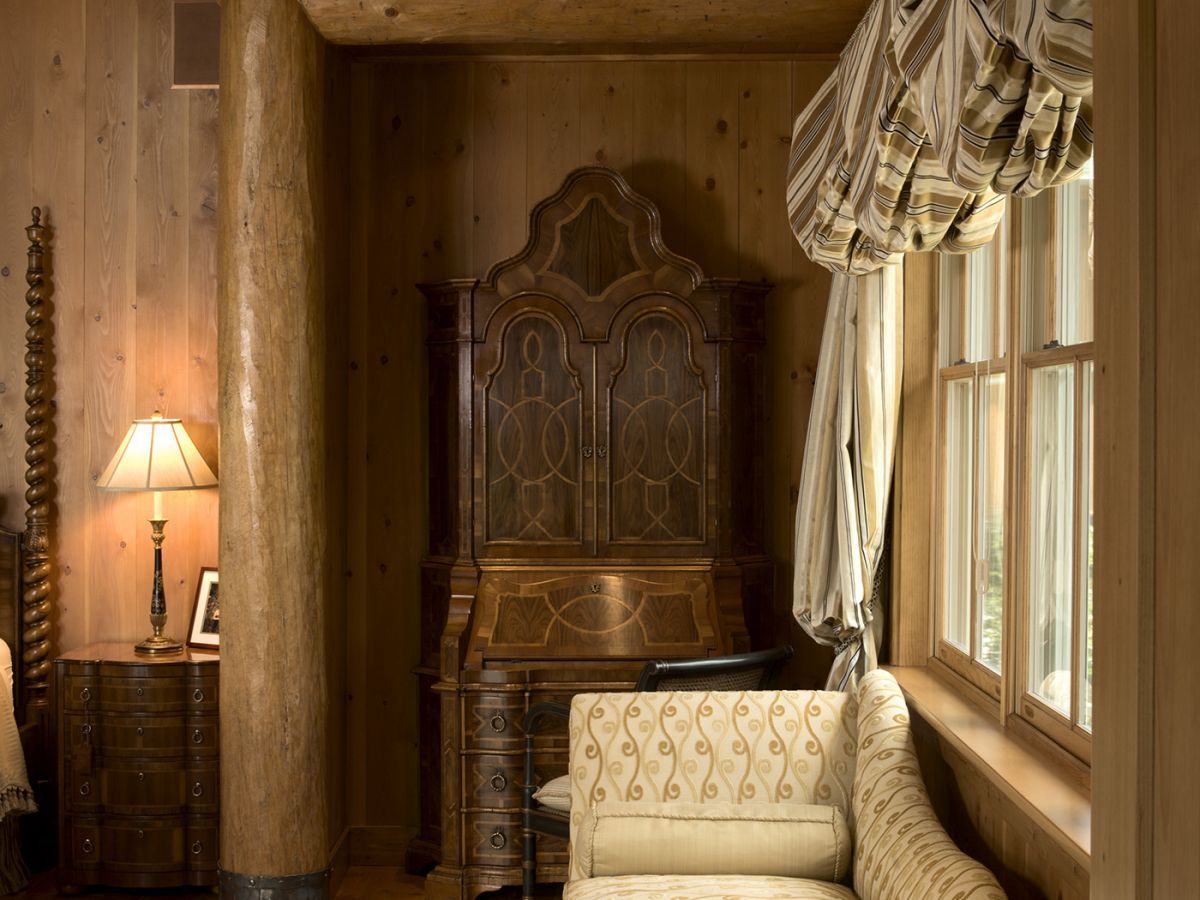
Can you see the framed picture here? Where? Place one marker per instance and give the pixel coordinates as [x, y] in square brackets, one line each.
[205, 631]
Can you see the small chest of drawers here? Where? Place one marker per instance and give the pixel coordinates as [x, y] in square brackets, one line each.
[138, 768]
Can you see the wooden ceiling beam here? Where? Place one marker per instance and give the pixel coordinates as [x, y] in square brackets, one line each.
[800, 26]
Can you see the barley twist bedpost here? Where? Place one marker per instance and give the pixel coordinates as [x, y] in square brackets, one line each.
[35, 616]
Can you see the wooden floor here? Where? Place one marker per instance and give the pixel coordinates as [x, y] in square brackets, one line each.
[360, 883]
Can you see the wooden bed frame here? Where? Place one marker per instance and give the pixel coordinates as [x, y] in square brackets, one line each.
[25, 561]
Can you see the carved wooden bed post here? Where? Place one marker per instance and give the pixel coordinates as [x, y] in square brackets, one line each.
[34, 667]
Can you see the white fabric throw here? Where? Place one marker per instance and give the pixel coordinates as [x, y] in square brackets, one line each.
[16, 796]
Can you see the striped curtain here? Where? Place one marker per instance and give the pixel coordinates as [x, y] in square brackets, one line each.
[841, 519]
[937, 110]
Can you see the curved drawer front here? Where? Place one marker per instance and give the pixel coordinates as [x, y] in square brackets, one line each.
[599, 614]
[203, 787]
[148, 789]
[495, 782]
[492, 839]
[143, 736]
[201, 845]
[493, 721]
[141, 694]
[129, 845]
[492, 782]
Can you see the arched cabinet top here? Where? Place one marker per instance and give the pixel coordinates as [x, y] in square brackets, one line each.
[596, 241]
[595, 245]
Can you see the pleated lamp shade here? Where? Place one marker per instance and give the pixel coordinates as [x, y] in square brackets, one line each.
[157, 455]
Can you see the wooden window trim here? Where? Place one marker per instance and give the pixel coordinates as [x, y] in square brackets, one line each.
[1049, 786]
[1026, 705]
[918, 505]
[964, 665]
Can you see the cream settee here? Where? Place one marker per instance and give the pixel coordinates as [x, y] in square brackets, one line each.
[664, 753]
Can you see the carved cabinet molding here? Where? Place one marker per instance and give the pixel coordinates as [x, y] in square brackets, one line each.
[595, 499]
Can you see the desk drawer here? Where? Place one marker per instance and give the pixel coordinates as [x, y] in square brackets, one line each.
[492, 839]
[147, 787]
[142, 845]
[140, 694]
[493, 721]
[143, 736]
[601, 614]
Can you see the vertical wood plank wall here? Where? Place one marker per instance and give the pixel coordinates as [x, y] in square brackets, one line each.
[448, 158]
[125, 169]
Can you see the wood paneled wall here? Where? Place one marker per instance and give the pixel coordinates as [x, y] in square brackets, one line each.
[986, 823]
[448, 159]
[125, 169]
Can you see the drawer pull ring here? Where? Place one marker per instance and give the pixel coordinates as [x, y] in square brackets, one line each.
[198, 695]
[140, 731]
[499, 723]
[498, 840]
[86, 729]
[141, 834]
[197, 736]
[595, 587]
[85, 695]
[87, 845]
[141, 776]
[587, 452]
[602, 451]
[499, 782]
[85, 789]
[141, 692]
[197, 848]
[197, 790]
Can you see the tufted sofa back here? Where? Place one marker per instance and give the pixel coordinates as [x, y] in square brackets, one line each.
[740, 746]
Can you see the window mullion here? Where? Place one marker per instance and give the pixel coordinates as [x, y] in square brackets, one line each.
[977, 429]
[1076, 593]
[1013, 633]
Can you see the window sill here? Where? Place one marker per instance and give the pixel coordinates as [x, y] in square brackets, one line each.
[1043, 790]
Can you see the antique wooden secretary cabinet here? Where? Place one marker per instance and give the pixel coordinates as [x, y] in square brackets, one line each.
[595, 499]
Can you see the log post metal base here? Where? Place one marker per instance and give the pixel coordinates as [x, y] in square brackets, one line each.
[312, 886]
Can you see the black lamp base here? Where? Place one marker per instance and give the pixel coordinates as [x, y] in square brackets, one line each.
[158, 642]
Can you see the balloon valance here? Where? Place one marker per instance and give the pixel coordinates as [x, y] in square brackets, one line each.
[938, 109]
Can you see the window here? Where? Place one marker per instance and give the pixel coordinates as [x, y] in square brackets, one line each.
[1015, 500]
[974, 384]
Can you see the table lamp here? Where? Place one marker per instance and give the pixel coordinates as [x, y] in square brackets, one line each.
[157, 455]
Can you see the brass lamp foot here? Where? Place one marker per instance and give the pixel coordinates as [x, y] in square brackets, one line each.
[156, 643]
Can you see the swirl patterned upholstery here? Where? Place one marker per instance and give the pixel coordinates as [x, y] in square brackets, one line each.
[854, 751]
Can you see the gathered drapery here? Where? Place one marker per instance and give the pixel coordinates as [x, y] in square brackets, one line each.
[936, 111]
[841, 517]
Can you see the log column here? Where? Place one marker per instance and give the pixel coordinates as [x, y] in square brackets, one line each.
[273, 541]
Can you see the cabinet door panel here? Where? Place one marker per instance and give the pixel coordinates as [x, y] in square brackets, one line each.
[658, 416]
[535, 481]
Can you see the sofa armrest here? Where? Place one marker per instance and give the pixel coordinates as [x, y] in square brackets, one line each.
[901, 850]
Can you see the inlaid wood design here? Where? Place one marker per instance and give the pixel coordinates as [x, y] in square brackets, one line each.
[658, 449]
[534, 412]
[593, 231]
[532, 615]
[492, 839]
[593, 249]
[138, 769]
[579, 516]
[493, 722]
